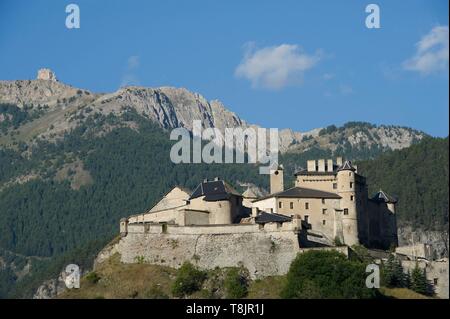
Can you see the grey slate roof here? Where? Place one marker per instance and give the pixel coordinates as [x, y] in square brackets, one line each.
[264, 217]
[300, 192]
[381, 196]
[214, 190]
[347, 166]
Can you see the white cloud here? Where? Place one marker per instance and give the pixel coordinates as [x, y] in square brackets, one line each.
[432, 52]
[129, 77]
[275, 67]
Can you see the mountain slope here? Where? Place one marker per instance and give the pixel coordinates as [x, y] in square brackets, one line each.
[66, 107]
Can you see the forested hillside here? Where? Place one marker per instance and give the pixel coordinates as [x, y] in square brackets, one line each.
[418, 176]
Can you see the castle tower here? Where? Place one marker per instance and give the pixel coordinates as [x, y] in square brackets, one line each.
[123, 227]
[276, 180]
[388, 218]
[347, 190]
[46, 74]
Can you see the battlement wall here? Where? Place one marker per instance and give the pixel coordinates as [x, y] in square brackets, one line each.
[149, 228]
[264, 251]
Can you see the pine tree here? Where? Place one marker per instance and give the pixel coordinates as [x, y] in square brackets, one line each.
[419, 281]
[393, 273]
[407, 279]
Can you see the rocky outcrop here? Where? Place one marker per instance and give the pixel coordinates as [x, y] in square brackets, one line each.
[38, 92]
[439, 240]
[50, 288]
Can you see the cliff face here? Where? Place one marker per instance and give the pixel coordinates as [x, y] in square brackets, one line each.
[66, 107]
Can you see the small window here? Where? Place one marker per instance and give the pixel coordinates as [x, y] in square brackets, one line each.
[334, 185]
[324, 222]
[351, 184]
[324, 211]
[435, 281]
[292, 205]
[306, 205]
[306, 219]
[280, 205]
[351, 198]
[323, 200]
[345, 211]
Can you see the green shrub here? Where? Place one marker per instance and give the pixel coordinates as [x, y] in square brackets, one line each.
[139, 259]
[326, 274]
[236, 284]
[92, 277]
[188, 280]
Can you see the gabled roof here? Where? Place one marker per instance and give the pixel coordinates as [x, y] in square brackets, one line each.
[214, 190]
[381, 196]
[264, 217]
[300, 192]
[171, 199]
[347, 166]
[253, 191]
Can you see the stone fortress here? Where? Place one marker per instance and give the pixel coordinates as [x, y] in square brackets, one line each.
[216, 226]
[328, 205]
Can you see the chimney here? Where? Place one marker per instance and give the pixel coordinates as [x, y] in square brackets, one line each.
[321, 164]
[329, 165]
[311, 165]
[255, 211]
[339, 161]
[276, 180]
[216, 179]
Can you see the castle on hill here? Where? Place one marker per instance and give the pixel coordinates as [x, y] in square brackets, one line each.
[328, 206]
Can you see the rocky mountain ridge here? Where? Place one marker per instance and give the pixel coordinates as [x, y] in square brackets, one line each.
[66, 107]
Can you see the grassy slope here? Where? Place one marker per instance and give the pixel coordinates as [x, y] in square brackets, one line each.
[401, 293]
[119, 280]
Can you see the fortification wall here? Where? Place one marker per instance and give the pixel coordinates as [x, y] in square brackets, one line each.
[263, 251]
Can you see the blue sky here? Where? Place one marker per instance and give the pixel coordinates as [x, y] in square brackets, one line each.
[285, 64]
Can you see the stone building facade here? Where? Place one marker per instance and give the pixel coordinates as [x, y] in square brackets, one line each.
[332, 201]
